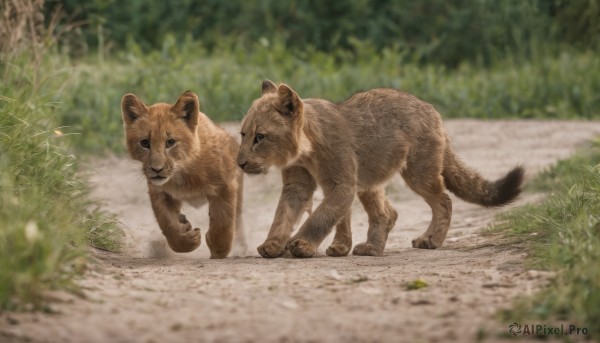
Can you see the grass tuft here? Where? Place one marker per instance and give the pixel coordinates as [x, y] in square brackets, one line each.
[45, 217]
[563, 235]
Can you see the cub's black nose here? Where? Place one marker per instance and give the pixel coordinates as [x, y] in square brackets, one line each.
[242, 165]
[157, 170]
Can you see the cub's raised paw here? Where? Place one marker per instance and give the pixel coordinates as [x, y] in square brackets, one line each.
[366, 249]
[301, 248]
[425, 242]
[271, 249]
[337, 250]
[186, 241]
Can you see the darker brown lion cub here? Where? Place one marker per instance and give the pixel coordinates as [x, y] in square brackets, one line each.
[355, 147]
[186, 158]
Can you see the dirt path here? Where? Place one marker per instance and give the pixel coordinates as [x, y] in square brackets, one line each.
[149, 294]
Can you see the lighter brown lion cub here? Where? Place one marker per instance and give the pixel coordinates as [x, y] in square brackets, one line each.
[355, 147]
[186, 158]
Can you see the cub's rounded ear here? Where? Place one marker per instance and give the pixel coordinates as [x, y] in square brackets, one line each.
[268, 87]
[132, 108]
[187, 107]
[289, 102]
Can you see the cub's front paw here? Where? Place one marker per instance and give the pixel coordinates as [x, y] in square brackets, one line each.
[271, 249]
[365, 249]
[426, 242]
[301, 248]
[185, 239]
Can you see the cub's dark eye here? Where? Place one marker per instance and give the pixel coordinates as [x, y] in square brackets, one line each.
[170, 142]
[259, 137]
[145, 143]
[243, 134]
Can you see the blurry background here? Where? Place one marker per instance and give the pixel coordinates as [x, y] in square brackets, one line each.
[430, 31]
[470, 58]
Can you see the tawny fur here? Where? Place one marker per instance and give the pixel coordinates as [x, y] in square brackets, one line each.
[187, 158]
[353, 148]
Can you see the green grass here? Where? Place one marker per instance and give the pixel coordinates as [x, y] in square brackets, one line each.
[562, 235]
[46, 219]
[566, 85]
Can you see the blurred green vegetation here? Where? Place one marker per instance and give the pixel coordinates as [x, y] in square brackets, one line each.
[562, 235]
[432, 31]
[552, 86]
[469, 58]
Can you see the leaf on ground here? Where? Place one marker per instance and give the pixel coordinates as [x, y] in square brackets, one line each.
[416, 284]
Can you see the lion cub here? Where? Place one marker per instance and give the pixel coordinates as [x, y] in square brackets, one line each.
[355, 147]
[186, 157]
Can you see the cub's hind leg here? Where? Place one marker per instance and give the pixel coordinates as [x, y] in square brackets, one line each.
[424, 177]
[382, 218]
[342, 241]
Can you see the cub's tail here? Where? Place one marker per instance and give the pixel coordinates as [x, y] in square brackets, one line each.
[470, 186]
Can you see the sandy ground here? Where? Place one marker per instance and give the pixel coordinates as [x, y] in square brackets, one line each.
[149, 294]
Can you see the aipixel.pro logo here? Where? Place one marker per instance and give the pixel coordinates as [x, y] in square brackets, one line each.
[517, 329]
